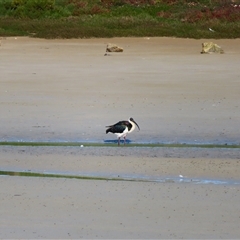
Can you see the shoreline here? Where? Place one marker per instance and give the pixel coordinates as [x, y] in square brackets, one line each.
[128, 178]
[212, 163]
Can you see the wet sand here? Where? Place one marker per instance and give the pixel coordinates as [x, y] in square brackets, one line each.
[68, 208]
[119, 161]
[67, 90]
[37, 207]
[71, 208]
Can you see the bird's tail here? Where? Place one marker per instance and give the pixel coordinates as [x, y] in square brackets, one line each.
[109, 129]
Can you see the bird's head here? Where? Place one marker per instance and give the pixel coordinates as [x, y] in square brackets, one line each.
[132, 120]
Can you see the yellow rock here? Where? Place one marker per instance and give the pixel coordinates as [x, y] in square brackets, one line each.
[210, 47]
[113, 48]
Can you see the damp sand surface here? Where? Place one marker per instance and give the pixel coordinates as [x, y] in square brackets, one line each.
[169, 206]
[67, 90]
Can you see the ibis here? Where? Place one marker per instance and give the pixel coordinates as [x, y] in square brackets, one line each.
[122, 128]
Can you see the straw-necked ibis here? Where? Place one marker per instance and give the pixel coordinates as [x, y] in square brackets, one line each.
[122, 128]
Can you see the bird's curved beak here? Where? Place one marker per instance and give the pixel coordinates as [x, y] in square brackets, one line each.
[136, 124]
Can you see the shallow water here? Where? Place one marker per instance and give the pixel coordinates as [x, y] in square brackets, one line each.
[114, 140]
[112, 177]
[114, 143]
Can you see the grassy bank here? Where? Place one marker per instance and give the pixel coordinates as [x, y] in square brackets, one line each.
[92, 144]
[117, 18]
[48, 175]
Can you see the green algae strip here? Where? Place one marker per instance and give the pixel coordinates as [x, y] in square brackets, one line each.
[51, 175]
[92, 144]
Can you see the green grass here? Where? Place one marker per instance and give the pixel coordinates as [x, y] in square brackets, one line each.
[87, 144]
[118, 18]
[32, 174]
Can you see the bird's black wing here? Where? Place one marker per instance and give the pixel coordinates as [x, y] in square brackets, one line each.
[118, 127]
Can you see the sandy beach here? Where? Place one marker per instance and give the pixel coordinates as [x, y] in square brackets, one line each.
[67, 90]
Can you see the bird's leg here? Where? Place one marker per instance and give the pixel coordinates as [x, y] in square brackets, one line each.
[118, 141]
[124, 140]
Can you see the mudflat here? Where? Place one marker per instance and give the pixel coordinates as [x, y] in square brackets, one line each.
[67, 90]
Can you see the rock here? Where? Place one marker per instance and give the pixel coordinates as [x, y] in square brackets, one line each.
[210, 47]
[113, 48]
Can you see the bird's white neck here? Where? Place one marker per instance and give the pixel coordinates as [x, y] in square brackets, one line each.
[133, 126]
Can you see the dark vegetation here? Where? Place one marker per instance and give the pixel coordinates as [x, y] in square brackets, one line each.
[110, 18]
